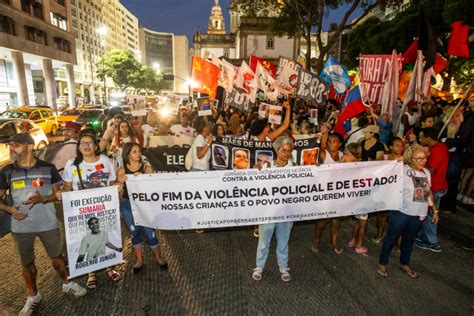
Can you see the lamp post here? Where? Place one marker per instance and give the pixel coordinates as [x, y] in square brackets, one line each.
[189, 82]
[102, 31]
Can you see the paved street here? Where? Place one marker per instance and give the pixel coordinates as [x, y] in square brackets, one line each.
[210, 274]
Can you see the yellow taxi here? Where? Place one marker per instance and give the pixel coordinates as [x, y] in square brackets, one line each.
[68, 115]
[42, 116]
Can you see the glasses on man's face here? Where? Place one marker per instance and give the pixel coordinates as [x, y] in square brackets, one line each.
[419, 159]
[86, 144]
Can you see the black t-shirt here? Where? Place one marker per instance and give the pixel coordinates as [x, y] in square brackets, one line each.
[371, 153]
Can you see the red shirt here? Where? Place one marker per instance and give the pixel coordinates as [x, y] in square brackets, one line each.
[438, 164]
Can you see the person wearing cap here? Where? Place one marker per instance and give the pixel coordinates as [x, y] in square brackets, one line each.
[34, 186]
[372, 148]
[69, 147]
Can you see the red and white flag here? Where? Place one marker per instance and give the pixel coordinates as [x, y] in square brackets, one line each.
[247, 81]
[266, 83]
[390, 89]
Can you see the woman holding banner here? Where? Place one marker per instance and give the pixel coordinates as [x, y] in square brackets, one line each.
[283, 146]
[417, 197]
[134, 165]
[200, 148]
[87, 171]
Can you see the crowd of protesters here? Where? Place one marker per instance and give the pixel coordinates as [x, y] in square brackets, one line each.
[438, 172]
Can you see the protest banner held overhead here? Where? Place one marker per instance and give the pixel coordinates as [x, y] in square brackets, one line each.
[250, 197]
[287, 75]
[239, 100]
[235, 153]
[168, 153]
[92, 225]
[374, 70]
[312, 88]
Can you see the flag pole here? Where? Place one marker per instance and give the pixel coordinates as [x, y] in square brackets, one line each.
[456, 108]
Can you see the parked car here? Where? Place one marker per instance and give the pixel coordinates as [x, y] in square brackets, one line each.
[69, 115]
[9, 127]
[92, 117]
[43, 116]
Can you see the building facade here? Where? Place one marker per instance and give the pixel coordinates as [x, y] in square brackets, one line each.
[167, 53]
[36, 40]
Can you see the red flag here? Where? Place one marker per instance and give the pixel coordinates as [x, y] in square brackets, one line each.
[440, 64]
[254, 60]
[353, 107]
[409, 56]
[206, 76]
[457, 45]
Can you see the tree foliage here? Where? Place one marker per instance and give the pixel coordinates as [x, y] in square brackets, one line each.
[149, 80]
[380, 37]
[302, 18]
[121, 66]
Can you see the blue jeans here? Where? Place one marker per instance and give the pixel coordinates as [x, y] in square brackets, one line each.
[282, 232]
[428, 235]
[400, 224]
[137, 232]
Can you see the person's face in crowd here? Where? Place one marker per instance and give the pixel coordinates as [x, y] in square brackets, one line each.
[184, 120]
[397, 147]
[206, 131]
[284, 153]
[386, 117]
[349, 157]
[69, 134]
[241, 159]
[423, 140]
[220, 130]
[419, 160]
[333, 144]
[429, 122]
[19, 151]
[324, 129]
[94, 226]
[124, 129]
[87, 146]
[368, 135]
[116, 122]
[135, 154]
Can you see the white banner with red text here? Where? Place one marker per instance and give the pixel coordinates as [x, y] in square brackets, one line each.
[212, 199]
[92, 224]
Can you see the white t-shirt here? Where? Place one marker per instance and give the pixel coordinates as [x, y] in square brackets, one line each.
[203, 163]
[94, 175]
[178, 129]
[148, 130]
[93, 245]
[328, 159]
[416, 191]
[356, 137]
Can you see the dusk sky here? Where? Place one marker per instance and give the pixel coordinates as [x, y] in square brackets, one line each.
[182, 16]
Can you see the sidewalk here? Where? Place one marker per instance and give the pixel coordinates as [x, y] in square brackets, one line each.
[210, 273]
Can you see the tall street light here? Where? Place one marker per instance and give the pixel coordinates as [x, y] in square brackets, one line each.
[102, 31]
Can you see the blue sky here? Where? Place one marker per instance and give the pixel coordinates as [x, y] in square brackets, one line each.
[182, 16]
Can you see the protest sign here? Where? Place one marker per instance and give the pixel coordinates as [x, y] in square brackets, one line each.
[235, 153]
[141, 112]
[287, 75]
[168, 153]
[92, 224]
[250, 197]
[274, 114]
[312, 88]
[374, 70]
[263, 110]
[204, 107]
[239, 100]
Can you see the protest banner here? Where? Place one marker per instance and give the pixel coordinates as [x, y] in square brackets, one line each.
[141, 112]
[287, 75]
[92, 224]
[374, 70]
[168, 153]
[267, 85]
[250, 197]
[239, 100]
[312, 88]
[235, 153]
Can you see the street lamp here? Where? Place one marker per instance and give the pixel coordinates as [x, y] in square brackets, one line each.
[102, 31]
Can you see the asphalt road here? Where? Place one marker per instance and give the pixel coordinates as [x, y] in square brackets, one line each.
[210, 273]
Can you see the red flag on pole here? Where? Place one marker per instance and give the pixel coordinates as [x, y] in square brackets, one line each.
[457, 45]
[268, 66]
[206, 76]
[440, 64]
[410, 55]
